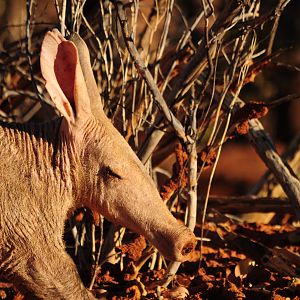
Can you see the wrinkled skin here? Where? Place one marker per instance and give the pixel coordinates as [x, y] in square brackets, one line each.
[49, 170]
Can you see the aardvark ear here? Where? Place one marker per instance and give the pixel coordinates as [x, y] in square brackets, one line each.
[65, 83]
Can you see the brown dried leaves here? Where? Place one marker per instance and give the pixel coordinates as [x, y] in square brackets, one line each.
[251, 110]
[134, 249]
[179, 178]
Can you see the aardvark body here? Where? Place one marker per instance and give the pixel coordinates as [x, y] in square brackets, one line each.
[78, 160]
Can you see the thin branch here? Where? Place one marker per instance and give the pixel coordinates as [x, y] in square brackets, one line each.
[282, 100]
[264, 147]
[278, 11]
[145, 73]
[63, 17]
[187, 76]
[292, 156]
[29, 8]
[193, 185]
[96, 266]
[246, 204]
[267, 152]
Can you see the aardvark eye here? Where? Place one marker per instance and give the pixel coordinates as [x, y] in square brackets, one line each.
[109, 173]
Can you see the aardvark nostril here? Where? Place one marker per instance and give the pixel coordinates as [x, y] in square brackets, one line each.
[188, 248]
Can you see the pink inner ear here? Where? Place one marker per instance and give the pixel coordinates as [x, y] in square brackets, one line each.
[64, 68]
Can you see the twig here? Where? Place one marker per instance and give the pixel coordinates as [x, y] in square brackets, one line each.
[96, 266]
[63, 17]
[267, 152]
[145, 73]
[292, 156]
[162, 42]
[242, 204]
[57, 10]
[287, 179]
[146, 37]
[29, 5]
[193, 176]
[193, 184]
[287, 66]
[187, 76]
[278, 11]
[283, 100]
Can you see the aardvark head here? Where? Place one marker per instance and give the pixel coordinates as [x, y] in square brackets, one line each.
[109, 177]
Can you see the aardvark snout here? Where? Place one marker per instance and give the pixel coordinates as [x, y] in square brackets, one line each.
[176, 242]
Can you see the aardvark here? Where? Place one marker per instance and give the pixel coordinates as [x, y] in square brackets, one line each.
[48, 170]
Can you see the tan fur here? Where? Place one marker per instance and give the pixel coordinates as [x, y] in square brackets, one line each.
[50, 169]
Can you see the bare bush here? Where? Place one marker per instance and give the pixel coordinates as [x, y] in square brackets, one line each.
[170, 83]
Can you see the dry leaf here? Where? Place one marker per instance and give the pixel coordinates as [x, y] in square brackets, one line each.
[178, 292]
[244, 267]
